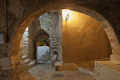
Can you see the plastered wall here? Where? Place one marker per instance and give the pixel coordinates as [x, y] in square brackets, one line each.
[83, 39]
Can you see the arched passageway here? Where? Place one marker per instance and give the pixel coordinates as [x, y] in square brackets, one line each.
[33, 15]
[42, 42]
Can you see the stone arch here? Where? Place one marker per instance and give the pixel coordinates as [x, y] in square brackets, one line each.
[106, 25]
[41, 32]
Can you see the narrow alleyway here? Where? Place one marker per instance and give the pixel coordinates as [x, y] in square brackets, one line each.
[46, 72]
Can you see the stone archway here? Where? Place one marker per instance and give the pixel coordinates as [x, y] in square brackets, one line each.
[40, 33]
[107, 27]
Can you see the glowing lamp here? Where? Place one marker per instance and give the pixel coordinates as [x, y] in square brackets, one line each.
[66, 14]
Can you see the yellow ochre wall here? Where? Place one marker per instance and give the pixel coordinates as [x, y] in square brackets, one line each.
[83, 39]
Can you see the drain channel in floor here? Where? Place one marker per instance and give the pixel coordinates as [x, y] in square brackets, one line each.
[57, 75]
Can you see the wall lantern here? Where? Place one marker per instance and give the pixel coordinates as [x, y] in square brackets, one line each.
[66, 14]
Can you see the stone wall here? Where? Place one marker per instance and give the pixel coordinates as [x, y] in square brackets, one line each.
[24, 49]
[35, 34]
[3, 27]
[42, 35]
[25, 43]
[34, 27]
[5, 61]
[84, 39]
[51, 23]
[47, 20]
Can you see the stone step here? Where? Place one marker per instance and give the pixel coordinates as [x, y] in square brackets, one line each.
[54, 46]
[24, 57]
[26, 61]
[32, 63]
[87, 71]
[67, 67]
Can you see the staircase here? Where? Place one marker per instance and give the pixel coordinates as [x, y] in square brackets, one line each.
[26, 63]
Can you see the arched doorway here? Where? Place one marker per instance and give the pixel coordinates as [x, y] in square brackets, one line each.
[107, 27]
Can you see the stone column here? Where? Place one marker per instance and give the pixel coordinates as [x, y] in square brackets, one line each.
[5, 62]
[33, 28]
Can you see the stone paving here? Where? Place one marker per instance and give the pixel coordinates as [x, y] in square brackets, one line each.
[46, 72]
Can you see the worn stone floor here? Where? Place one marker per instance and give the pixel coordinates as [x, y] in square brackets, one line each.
[46, 72]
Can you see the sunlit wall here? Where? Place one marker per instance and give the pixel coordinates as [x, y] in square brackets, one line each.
[83, 39]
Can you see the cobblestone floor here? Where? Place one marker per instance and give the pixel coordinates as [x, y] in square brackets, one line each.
[45, 72]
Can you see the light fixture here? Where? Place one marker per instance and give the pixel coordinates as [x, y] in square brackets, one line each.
[66, 14]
